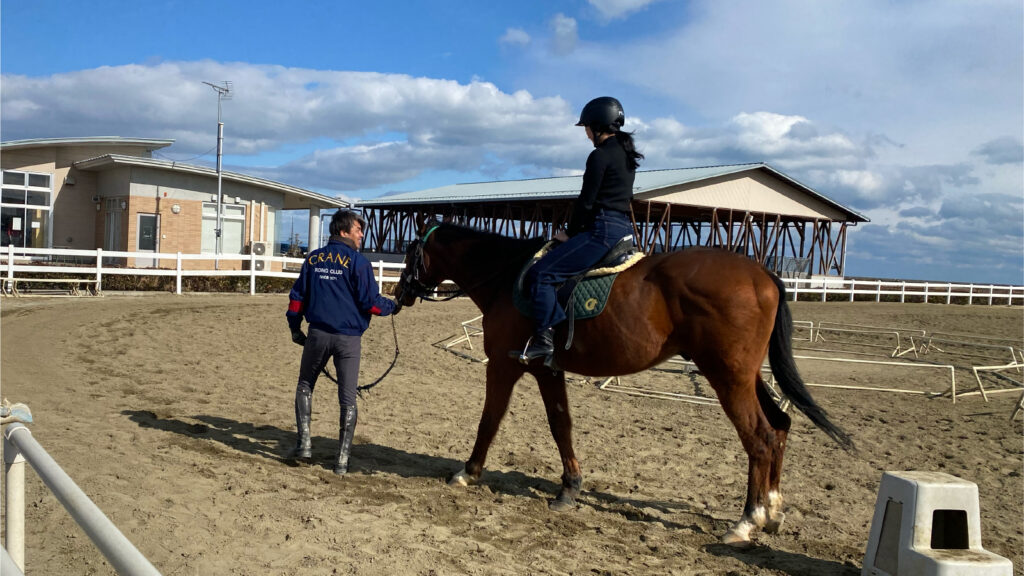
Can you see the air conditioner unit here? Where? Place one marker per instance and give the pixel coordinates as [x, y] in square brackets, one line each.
[258, 248]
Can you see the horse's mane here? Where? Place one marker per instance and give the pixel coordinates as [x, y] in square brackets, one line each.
[489, 245]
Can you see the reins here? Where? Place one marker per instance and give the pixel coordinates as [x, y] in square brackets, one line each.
[361, 389]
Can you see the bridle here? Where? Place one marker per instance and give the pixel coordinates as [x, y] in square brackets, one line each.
[410, 278]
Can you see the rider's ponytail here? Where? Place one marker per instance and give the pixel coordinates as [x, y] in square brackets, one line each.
[633, 157]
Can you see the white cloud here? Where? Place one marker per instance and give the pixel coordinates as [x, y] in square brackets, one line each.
[515, 36]
[564, 34]
[612, 9]
[385, 115]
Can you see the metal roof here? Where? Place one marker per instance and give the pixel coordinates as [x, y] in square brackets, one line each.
[111, 160]
[148, 143]
[564, 187]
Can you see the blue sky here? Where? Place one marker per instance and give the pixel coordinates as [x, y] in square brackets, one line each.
[908, 112]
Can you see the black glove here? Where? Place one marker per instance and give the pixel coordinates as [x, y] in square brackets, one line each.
[398, 307]
[298, 337]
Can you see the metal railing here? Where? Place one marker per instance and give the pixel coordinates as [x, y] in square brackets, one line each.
[19, 447]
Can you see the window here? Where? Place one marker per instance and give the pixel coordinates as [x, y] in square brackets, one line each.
[25, 210]
[232, 228]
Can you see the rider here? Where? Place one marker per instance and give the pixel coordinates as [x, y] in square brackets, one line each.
[337, 294]
[600, 218]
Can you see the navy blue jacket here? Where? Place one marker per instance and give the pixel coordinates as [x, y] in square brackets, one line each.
[336, 291]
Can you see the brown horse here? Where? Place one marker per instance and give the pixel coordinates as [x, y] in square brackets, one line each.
[721, 309]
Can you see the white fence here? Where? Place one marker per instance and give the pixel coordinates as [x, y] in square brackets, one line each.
[19, 264]
[823, 287]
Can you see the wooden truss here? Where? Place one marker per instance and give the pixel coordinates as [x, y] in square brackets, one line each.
[788, 245]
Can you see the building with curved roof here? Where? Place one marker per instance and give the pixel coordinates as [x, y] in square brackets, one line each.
[110, 192]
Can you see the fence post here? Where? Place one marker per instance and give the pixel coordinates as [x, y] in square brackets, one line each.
[252, 272]
[10, 261]
[177, 275]
[949, 293]
[14, 482]
[380, 275]
[99, 270]
[970, 295]
[926, 285]
[853, 289]
[990, 289]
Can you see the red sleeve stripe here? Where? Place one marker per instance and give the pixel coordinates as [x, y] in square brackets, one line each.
[375, 311]
[295, 306]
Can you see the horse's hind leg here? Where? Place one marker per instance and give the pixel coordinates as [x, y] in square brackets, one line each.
[739, 400]
[556, 404]
[780, 422]
[502, 375]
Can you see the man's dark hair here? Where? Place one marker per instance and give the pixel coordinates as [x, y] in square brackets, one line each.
[343, 220]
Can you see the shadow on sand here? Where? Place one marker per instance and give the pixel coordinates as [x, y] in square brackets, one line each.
[783, 561]
[271, 442]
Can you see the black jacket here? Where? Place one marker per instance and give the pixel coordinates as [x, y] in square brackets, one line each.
[607, 183]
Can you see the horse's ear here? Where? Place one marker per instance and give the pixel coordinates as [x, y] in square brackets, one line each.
[421, 223]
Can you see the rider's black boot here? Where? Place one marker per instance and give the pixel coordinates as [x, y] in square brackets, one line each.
[540, 345]
[347, 430]
[303, 413]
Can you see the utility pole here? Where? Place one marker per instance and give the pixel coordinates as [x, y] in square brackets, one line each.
[224, 92]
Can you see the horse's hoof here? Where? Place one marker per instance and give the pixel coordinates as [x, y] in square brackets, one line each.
[461, 478]
[736, 540]
[559, 505]
[563, 503]
[774, 524]
[738, 535]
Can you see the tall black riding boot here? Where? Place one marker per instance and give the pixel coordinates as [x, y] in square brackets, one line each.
[347, 431]
[540, 345]
[303, 413]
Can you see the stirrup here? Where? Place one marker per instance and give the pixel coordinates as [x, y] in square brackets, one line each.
[544, 351]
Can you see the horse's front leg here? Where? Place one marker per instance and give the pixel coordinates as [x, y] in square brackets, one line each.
[502, 375]
[556, 404]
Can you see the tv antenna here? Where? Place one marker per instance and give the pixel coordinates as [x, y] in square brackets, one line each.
[225, 90]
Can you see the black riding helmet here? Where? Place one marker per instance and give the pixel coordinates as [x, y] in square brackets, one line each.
[603, 113]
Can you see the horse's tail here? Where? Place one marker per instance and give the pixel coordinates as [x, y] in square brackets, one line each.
[780, 357]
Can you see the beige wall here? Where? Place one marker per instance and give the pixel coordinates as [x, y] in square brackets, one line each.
[76, 193]
[749, 192]
[157, 191]
[73, 189]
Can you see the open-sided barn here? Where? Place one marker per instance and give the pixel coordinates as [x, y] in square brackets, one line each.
[749, 208]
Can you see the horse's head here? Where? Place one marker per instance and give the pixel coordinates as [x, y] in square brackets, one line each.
[416, 280]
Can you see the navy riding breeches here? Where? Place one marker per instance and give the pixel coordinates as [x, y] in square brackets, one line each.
[570, 258]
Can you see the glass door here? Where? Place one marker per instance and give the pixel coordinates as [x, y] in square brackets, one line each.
[147, 239]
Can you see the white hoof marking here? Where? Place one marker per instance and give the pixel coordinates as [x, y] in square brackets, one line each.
[738, 534]
[460, 479]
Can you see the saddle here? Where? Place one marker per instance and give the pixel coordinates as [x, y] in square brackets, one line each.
[584, 295]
